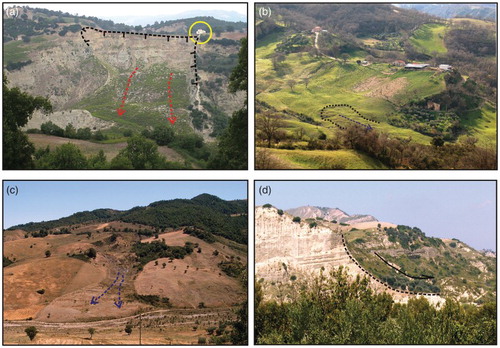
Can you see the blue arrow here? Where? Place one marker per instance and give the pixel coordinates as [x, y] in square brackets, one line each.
[120, 302]
[95, 300]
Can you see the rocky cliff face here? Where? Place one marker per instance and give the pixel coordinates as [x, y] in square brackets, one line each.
[284, 248]
[307, 212]
[70, 73]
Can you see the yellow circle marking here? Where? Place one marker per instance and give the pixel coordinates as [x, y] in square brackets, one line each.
[209, 27]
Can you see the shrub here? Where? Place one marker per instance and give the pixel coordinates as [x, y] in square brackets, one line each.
[453, 244]
[128, 328]
[313, 224]
[296, 219]
[202, 340]
[280, 212]
[267, 206]
[31, 331]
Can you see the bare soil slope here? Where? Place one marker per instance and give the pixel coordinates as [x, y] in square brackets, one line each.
[194, 279]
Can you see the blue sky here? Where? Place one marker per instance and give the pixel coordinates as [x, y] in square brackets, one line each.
[448, 209]
[48, 200]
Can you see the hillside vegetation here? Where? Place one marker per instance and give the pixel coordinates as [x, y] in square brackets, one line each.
[207, 212]
[455, 269]
[355, 71]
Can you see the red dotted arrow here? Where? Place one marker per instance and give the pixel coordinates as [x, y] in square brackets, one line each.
[120, 110]
[172, 118]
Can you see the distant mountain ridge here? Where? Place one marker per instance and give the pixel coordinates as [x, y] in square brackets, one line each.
[479, 11]
[311, 212]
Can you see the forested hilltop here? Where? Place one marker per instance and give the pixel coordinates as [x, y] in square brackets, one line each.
[206, 212]
[386, 87]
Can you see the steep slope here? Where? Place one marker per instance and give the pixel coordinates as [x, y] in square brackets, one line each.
[396, 259]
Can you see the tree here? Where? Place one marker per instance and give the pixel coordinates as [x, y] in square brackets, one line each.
[70, 131]
[128, 328]
[47, 253]
[306, 80]
[121, 162]
[51, 129]
[163, 135]
[344, 56]
[84, 133]
[232, 149]
[31, 331]
[142, 153]
[18, 108]
[437, 141]
[268, 124]
[98, 161]
[91, 332]
[66, 156]
[92, 253]
[291, 84]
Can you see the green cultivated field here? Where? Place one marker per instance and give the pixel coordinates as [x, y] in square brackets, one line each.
[429, 38]
[332, 82]
[324, 159]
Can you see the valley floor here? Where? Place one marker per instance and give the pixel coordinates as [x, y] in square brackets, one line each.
[162, 327]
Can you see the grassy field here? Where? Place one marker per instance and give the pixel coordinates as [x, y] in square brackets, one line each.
[373, 90]
[483, 124]
[324, 159]
[146, 104]
[429, 38]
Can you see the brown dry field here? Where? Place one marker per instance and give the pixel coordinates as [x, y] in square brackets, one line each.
[165, 327]
[194, 279]
[63, 313]
[91, 148]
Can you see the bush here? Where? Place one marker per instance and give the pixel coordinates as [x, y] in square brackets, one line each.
[50, 128]
[128, 328]
[453, 244]
[280, 212]
[296, 219]
[31, 331]
[202, 340]
[267, 206]
[91, 253]
[313, 224]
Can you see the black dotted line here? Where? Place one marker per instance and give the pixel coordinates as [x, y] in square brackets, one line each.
[325, 118]
[378, 280]
[168, 37]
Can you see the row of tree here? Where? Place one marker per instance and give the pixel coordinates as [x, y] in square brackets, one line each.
[332, 309]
